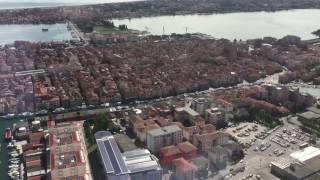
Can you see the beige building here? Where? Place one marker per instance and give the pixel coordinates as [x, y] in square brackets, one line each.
[207, 141]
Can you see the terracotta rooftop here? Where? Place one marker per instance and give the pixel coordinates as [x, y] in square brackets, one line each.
[170, 150]
[183, 165]
[186, 147]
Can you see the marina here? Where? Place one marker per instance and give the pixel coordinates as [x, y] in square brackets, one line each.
[10, 162]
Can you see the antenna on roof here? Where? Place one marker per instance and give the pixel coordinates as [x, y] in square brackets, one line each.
[162, 30]
[186, 30]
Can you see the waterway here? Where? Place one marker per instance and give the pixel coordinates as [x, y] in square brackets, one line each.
[34, 33]
[244, 25]
[3, 149]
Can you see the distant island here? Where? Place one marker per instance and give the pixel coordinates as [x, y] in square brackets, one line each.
[147, 8]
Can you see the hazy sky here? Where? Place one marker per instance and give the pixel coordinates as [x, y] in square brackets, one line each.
[59, 1]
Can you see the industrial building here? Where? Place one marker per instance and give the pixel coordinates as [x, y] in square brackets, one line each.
[137, 164]
[303, 164]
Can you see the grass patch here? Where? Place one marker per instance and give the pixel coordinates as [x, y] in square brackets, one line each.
[112, 30]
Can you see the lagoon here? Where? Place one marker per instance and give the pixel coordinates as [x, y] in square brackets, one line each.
[243, 25]
[34, 33]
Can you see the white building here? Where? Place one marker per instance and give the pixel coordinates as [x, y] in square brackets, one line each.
[303, 164]
[200, 105]
[213, 115]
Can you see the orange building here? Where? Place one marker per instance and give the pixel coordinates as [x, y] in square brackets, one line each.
[172, 152]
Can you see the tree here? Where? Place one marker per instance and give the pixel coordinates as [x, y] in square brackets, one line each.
[188, 122]
[123, 27]
[202, 173]
[237, 155]
[317, 33]
[102, 122]
[221, 123]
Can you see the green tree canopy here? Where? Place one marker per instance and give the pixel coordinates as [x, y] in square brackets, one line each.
[102, 122]
[317, 33]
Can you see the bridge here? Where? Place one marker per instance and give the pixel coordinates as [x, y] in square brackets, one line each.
[75, 30]
[313, 41]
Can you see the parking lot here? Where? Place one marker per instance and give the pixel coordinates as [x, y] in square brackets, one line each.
[247, 133]
[267, 146]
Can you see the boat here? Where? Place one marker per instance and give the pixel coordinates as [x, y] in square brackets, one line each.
[13, 152]
[14, 162]
[11, 145]
[14, 169]
[45, 29]
[14, 166]
[13, 172]
[8, 134]
[14, 155]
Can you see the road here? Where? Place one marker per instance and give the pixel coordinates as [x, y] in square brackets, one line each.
[78, 33]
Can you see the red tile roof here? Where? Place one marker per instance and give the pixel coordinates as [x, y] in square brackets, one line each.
[183, 165]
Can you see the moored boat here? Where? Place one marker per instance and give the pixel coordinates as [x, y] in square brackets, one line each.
[8, 134]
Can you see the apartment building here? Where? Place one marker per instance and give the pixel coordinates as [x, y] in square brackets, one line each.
[69, 156]
[164, 136]
[200, 105]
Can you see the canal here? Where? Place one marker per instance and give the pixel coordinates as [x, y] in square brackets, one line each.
[5, 123]
[243, 25]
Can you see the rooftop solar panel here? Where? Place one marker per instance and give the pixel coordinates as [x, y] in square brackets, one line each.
[105, 157]
[116, 163]
[112, 157]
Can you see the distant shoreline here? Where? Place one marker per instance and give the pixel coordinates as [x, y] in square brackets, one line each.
[98, 13]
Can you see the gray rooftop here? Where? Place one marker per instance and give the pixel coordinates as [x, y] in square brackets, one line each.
[124, 142]
[308, 169]
[164, 130]
[310, 115]
[188, 110]
[201, 100]
[141, 160]
[115, 163]
[314, 109]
